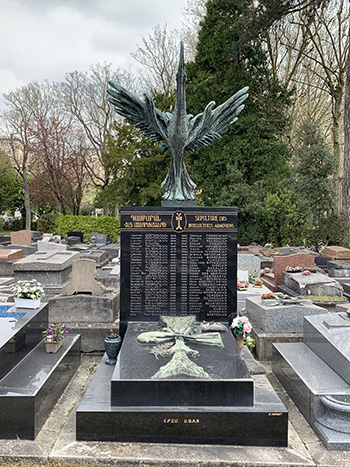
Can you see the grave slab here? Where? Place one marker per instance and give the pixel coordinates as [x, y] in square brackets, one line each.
[280, 318]
[313, 284]
[337, 253]
[50, 246]
[133, 383]
[22, 237]
[10, 255]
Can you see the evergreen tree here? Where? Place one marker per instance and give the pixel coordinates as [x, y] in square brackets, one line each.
[224, 64]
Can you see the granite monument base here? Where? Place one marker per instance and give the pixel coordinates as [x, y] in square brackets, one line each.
[126, 404]
[264, 424]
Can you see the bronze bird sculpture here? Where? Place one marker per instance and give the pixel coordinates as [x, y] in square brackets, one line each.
[178, 131]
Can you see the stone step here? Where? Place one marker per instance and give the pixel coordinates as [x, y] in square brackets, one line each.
[310, 382]
[328, 336]
[269, 281]
[31, 389]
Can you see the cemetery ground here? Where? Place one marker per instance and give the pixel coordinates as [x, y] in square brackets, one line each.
[55, 446]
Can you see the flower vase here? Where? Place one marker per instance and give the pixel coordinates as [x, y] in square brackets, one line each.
[269, 302]
[53, 347]
[240, 341]
[112, 346]
[27, 303]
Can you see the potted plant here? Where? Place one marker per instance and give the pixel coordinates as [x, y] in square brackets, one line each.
[54, 335]
[28, 294]
[269, 299]
[258, 282]
[240, 327]
[112, 345]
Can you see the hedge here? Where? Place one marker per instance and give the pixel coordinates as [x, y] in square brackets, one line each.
[105, 225]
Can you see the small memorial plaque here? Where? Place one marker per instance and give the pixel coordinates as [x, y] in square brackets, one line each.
[178, 262]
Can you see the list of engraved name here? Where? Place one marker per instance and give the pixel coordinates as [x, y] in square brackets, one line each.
[176, 274]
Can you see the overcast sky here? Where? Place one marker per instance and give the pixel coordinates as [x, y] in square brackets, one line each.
[44, 39]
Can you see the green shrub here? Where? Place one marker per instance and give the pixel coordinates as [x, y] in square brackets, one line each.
[47, 222]
[105, 225]
[18, 224]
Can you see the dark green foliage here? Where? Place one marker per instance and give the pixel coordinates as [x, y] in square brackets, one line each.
[18, 224]
[250, 162]
[137, 168]
[313, 169]
[47, 222]
[11, 191]
[105, 224]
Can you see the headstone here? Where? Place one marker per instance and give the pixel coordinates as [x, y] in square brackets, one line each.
[337, 253]
[10, 255]
[98, 238]
[76, 234]
[302, 260]
[50, 246]
[338, 269]
[86, 306]
[83, 279]
[22, 237]
[100, 257]
[178, 263]
[112, 250]
[248, 262]
[242, 276]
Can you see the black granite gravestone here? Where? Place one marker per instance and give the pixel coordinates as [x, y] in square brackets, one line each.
[178, 262]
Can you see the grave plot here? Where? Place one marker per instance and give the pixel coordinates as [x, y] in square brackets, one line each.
[173, 382]
[31, 381]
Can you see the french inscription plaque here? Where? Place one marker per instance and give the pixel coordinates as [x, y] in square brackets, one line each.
[178, 262]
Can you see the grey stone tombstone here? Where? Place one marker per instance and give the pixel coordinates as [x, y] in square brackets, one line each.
[98, 238]
[50, 246]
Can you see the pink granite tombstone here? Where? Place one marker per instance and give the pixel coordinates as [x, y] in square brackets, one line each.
[302, 260]
[22, 237]
[337, 253]
[10, 255]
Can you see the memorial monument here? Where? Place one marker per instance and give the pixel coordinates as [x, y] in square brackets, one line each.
[178, 379]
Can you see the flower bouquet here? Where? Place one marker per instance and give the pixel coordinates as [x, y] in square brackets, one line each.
[240, 326]
[269, 299]
[242, 286]
[28, 294]
[258, 282]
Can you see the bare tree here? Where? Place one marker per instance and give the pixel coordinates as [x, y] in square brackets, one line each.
[85, 96]
[194, 12]
[22, 106]
[159, 55]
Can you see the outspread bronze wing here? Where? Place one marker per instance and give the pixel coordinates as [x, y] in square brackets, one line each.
[212, 124]
[143, 115]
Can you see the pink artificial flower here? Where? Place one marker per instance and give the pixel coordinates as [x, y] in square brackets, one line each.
[244, 319]
[247, 326]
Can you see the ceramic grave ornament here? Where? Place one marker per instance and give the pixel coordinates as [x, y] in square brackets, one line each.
[178, 131]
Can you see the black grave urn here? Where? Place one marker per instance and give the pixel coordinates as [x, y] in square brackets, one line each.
[112, 346]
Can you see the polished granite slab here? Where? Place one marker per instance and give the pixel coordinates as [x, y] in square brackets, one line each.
[26, 330]
[133, 383]
[263, 424]
[29, 392]
[328, 336]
